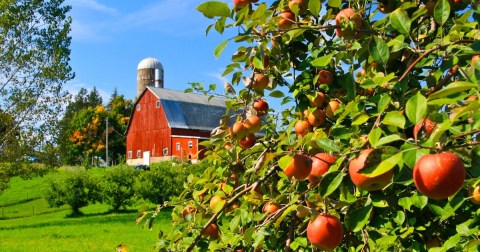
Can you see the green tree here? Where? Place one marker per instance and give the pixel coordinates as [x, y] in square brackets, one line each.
[362, 95]
[34, 65]
[75, 188]
[119, 111]
[118, 187]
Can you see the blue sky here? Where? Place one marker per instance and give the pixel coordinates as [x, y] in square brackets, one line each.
[110, 38]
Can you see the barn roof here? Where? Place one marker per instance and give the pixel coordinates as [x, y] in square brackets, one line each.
[190, 110]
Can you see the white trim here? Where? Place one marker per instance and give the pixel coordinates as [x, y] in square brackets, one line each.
[194, 137]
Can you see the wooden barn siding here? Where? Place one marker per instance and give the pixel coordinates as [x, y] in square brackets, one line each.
[148, 130]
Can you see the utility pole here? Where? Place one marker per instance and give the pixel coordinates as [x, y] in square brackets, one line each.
[106, 142]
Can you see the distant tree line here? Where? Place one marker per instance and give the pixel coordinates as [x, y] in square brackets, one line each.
[82, 130]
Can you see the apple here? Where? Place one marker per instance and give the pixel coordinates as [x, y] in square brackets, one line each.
[271, 207]
[439, 176]
[187, 210]
[319, 100]
[363, 182]
[348, 15]
[425, 127]
[302, 127]
[248, 141]
[325, 77]
[475, 58]
[302, 5]
[252, 123]
[260, 82]
[240, 4]
[215, 200]
[321, 162]
[474, 194]
[315, 118]
[238, 131]
[287, 19]
[332, 106]
[233, 180]
[211, 231]
[299, 167]
[261, 106]
[433, 242]
[325, 232]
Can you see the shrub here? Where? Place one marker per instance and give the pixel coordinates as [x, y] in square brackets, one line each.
[75, 188]
[118, 187]
[164, 181]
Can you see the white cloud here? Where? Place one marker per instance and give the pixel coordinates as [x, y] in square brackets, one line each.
[91, 4]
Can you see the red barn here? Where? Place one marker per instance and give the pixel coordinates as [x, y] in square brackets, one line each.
[165, 123]
[169, 124]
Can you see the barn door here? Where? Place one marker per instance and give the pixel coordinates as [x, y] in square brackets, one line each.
[146, 157]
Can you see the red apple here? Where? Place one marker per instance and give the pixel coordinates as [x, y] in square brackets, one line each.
[319, 100]
[215, 200]
[439, 176]
[332, 106]
[316, 117]
[238, 131]
[325, 232]
[362, 181]
[321, 162]
[348, 15]
[475, 58]
[302, 127]
[299, 167]
[211, 231]
[248, 141]
[252, 123]
[271, 207]
[261, 106]
[260, 82]
[287, 19]
[424, 127]
[325, 77]
[302, 5]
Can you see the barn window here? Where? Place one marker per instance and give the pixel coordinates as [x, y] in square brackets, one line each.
[190, 144]
[165, 151]
[157, 104]
[138, 107]
[129, 154]
[178, 146]
[139, 153]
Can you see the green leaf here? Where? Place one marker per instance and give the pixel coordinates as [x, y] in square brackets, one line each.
[387, 139]
[322, 61]
[284, 161]
[277, 94]
[356, 219]
[328, 145]
[334, 3]
[400, 218]
[378, 50]
[400, 21]
[384, 166]
[416, 108]
[219, 49]
[360, 119]
[383, 103]
[259, 12]
[394, 118]
[374, 136]
[214, 9]
[441, 11]
[315, 7]
[330, 183]
[453, 88]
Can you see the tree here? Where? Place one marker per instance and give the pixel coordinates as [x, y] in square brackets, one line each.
[390, 71]
[119, 111]
[34, 65]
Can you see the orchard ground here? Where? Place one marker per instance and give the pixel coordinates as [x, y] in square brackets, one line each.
[27, 223]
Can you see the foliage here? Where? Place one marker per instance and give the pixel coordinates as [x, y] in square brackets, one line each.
[390, 71]
[82, 133]
[164, 181]
[33, 68]
[118, 187]
[76, 188]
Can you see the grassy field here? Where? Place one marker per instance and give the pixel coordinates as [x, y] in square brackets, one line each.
[27, 223]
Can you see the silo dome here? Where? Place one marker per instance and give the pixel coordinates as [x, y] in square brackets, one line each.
[150, 63]
[149, 73]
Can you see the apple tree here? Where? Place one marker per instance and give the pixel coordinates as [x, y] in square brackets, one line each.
[355, 128]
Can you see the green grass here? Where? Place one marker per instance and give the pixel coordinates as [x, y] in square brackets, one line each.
[27, 223]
